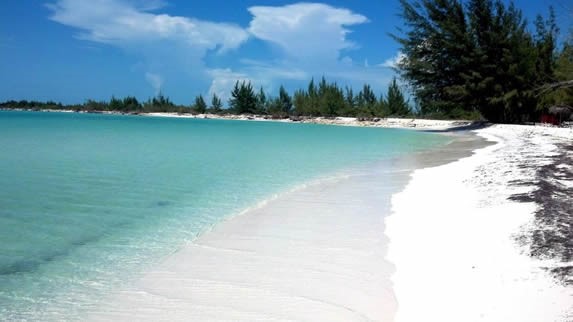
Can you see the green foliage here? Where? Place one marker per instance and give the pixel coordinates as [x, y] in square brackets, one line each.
[92, 105]
[435, 46]
[326, 99]
[350, 100]
[261, 102]
[274, 107]
[396, 103]
[24, 104]
[216, 104]
[200, 106]
[563, 73]
[367, 104]
[243, 99]
[285, 101]
[131, 103]
[128, 104]
[161, 103]
[330, 98]
[478, 58]
[545, 41]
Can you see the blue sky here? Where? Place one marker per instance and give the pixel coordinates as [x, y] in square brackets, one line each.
[71, 50]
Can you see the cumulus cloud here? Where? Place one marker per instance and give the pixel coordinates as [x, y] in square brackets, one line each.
[312, 40]
[223, 81]
[271, 70]
[124, 22]
[164, 44]
[305, 30]
[258, 73]
[394, 61]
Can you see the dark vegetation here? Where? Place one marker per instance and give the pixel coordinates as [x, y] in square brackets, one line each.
[322, 99]
[480, 57]
[128, 104]
[552, 235]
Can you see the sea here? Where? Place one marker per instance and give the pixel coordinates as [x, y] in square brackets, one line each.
[88, 202]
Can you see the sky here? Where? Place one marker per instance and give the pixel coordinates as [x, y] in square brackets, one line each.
[72, 50]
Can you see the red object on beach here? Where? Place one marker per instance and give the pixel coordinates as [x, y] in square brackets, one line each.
[551, 119]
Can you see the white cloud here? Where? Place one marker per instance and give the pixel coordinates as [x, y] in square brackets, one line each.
[313, 39]
[394, 61]
[268, 71]
[122, 23]
[305, 30]
[165, 44]
[155, 80]
[223, 81]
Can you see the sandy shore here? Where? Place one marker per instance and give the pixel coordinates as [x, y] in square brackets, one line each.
[316, 253]
[460, 239]
[409, 123]
[456, 248]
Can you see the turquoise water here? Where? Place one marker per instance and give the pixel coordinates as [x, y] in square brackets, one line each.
[89, 201]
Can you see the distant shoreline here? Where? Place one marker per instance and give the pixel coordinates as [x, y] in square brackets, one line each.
[406, 123]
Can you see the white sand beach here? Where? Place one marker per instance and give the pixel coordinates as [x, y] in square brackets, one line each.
[452, 236]
[389, 122]
[320, 253]
[425, 124]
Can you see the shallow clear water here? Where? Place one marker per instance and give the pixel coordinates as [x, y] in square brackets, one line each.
[87, 201]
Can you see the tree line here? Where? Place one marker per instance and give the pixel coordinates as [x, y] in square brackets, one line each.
[324, 98]
[479, 56]
[129, 104]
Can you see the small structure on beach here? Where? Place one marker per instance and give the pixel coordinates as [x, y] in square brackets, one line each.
[557, 114]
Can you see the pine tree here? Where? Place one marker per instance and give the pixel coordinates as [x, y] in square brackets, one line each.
[331, 100]
[115, 104]
[235, 100]
[131, 103]
[350, 109]
[200, 106]
[243, 99]
[382, 107]
[312, 105]
[479, 59]
[396, 103]
[261, 102]
[300, 102]
[560, 91]
[545, 40]
[285, 101]
[216, 104]
[505, 80]
[435, 46]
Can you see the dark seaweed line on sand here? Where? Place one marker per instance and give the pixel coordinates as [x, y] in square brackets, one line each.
[552, 234]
